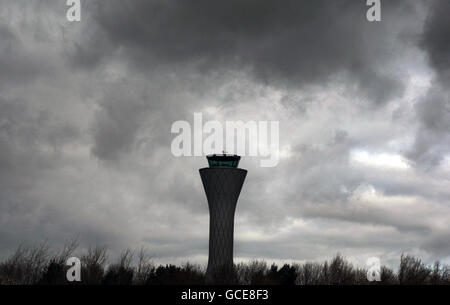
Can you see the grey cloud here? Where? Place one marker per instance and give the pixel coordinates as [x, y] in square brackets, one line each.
[430, 145]
[435, 40]
[295, 44]
[15, 65]
[437, 243]
[433, 136]
[117, 121]
[23, 58]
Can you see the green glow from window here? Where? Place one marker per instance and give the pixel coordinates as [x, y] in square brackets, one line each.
[232, 163]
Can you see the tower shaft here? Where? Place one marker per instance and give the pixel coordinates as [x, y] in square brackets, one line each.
[222, 187]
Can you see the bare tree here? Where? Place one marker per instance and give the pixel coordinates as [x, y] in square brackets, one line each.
[93, 265]
[412, 271]
[26, 265]
[144, 267]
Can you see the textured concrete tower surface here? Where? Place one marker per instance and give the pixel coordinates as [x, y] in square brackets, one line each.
[222, 182]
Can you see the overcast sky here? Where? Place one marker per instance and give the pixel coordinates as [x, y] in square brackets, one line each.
[364, 109]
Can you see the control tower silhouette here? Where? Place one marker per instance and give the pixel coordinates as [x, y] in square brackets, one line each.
[222, 182]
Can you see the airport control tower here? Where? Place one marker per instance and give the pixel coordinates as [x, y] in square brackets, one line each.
[223, 182]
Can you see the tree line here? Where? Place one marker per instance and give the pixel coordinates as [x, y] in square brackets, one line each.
[38, 266]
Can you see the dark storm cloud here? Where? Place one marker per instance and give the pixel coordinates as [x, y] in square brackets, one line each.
[291, 43]
[436, 38]
[433, 136]
[295, 44]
